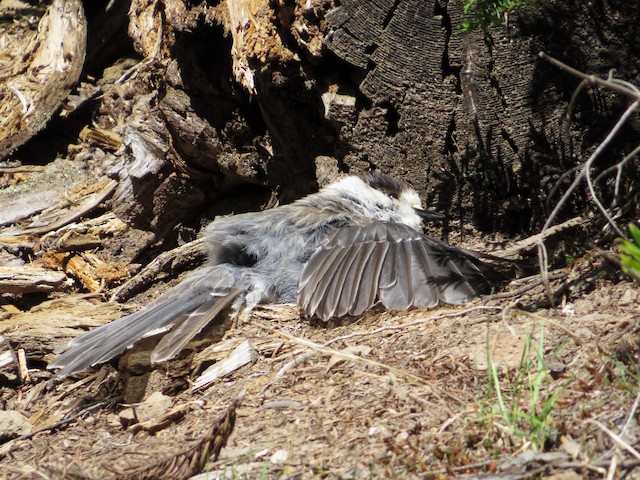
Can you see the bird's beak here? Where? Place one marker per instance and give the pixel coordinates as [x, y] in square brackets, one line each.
[427, 216]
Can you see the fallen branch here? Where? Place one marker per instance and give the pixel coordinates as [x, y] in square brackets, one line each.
[166, 261]
[27, 279]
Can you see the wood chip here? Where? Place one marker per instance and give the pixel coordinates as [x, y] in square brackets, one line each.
[244, 354]
[23, 370]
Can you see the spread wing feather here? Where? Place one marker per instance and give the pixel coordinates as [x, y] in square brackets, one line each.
[319, 282]
[387, 263]
[370, 277]
[425, 294]
[210, 288]
[333, 294]
[353, 281]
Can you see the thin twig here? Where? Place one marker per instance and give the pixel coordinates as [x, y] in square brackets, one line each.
[620, 86]
[624, 428]
[587, 168]
[618, 166]
[526, 288]
[589, 163]
[613, 85]
[616, 438]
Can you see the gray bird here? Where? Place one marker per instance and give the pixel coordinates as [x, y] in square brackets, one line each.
[355, 244]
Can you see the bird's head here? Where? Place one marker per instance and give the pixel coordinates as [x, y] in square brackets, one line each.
[380, 197]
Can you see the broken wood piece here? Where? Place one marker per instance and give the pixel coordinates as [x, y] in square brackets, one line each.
[531, 243]
[92, 271]
[22, 169]
[101, 137]
[12, 243]
[28, 279]
[243, 354]
[72, 242]
[53, 323]
[26, 205]
[162, 421]
[186, 254]
[23, 370]
[69, 209]
[10, 308]
[80, 269]
[151, 409]
[85, 235]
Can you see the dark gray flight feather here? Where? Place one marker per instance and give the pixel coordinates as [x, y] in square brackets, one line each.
[389, 263]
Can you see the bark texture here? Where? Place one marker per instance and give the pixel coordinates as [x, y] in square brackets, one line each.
[476, 119]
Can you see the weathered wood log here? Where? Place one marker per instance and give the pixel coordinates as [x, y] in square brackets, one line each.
[472, 120]
[40, 69]
[65, 209]
[52, 324]
[27, 279]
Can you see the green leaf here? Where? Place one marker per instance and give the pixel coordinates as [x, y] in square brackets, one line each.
[629, 248]
[635, 233]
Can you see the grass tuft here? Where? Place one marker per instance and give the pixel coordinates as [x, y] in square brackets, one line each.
[520, 413]
[482, 14]
[630, 253]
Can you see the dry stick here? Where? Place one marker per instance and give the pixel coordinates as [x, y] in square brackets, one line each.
[587, 165]
[587, 168]
[618, 166]
[585, 172]
[526, 288]
[623, 430]
[616, 438]
[613, 467]
[617, 85]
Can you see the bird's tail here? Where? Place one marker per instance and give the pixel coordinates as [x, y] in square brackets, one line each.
[188, 307]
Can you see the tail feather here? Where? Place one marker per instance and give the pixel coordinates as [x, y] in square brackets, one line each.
[190, 325]
[209, 288]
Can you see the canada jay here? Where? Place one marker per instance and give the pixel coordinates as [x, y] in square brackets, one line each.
[355, 244]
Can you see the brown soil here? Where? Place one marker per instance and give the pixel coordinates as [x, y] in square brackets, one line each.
[397, 396]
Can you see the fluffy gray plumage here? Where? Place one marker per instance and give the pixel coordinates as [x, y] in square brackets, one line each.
[354, 244]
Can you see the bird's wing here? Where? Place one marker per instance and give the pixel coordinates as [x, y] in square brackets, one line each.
[189, 306]
[388, 263]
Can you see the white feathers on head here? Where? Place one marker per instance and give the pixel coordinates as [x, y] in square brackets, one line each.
[376, 204]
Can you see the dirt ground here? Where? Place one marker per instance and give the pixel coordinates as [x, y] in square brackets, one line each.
[484, 390]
